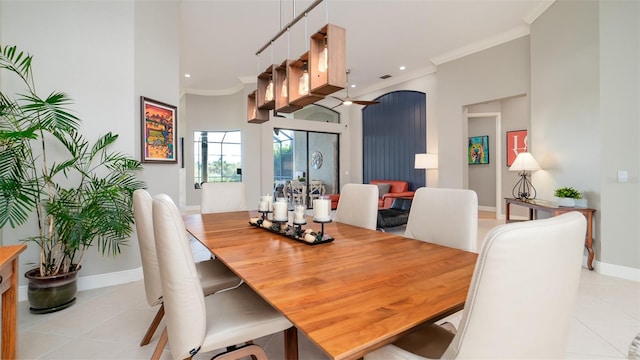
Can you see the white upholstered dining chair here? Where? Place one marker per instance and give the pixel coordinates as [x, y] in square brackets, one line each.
[213, 274]
[358, 206]
[196, 323]
[444, 216]
[520, 301]
[222, 197]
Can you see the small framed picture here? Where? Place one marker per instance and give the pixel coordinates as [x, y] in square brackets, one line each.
[478, 150]
[516, 143]
[159, 125]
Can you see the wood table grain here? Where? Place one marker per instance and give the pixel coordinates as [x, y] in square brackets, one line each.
[350, 296]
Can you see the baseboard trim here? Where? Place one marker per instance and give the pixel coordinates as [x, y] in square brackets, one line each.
[97, 281]
[622, 272]
[487, 208]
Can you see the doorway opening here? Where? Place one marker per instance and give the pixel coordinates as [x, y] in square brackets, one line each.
[486, 179]
[305, 165]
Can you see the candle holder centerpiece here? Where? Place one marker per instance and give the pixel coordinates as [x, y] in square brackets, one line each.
[280, 221]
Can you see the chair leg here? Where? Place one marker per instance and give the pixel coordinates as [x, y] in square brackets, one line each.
[154, 325]
[291, 343]
[255, 351]
[164, 338]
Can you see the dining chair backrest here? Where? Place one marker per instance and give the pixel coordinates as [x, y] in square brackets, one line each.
[358, 205]
[185, 311]
[222, 197]
[444, 216]
[520, 300]
[143, 216]
[524, 287]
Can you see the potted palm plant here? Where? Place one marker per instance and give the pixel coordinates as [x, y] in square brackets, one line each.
[81, 193]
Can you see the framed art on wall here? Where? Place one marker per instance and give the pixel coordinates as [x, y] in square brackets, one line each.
[516, 143]
[478, 150]
[159, 125]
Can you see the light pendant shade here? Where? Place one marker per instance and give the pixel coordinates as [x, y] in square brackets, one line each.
[265, 95]
[300, 93]
[283, 91]
[283, 85]
[524, 161]
[426, 161]
[327, 60]
[255, 115]
[323, 58]
[303, 85]
[268, 94]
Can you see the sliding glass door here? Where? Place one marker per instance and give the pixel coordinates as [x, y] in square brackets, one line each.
[305, 164]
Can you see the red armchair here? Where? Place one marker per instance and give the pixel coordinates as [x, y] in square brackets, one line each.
[397, 189]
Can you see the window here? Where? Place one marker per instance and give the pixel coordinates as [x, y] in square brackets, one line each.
[217, 156]
[282, 154]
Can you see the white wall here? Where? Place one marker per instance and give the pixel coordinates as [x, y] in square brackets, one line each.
[496, 73]
[105, 54]
[584, 110]
[620, 131]
[157, 76]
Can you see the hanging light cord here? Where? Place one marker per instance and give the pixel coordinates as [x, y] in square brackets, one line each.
[290, 24]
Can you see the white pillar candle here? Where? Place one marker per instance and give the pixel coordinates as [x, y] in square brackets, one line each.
[264, 206]
[280, 211]
[321, 209]
[298, 214]
[269, 200]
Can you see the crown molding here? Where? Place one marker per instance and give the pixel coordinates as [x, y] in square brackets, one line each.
[515, 33]
[539, 10]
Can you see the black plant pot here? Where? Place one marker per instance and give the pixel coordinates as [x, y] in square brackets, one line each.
[51, 293]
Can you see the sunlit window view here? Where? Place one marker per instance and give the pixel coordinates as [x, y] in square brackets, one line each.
[283, 154]
[217, 156]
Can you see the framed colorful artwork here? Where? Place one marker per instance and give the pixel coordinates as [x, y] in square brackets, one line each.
[478, 150]
[159, 125]
[516, 143]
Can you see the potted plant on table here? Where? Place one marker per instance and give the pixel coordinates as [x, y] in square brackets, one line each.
[81, 193]
[567, 196]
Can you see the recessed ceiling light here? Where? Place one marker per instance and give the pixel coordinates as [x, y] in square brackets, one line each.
[187, 75]
[353, 85]
[402, 67]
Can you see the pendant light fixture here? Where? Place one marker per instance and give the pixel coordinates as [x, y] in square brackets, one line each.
[318, 72]
[327, 60]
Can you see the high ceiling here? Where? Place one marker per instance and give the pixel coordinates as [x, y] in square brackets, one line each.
[220, 38]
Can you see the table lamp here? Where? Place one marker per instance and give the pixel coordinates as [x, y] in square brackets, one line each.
[523, 189]
[426, 161]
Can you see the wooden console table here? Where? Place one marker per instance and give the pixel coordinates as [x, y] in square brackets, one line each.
[555, 210]
[9, 289]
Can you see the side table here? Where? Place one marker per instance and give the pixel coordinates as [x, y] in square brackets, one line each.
[9, 289]
[555, 210]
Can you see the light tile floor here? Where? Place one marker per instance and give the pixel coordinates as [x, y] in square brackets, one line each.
[108, 323]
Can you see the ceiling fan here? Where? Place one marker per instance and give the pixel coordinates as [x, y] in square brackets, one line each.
[346, 101]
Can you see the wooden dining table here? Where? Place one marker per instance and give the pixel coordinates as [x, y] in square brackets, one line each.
[350, 296]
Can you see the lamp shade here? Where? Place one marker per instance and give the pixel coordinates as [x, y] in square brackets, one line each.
[524, 161]
[426, 161]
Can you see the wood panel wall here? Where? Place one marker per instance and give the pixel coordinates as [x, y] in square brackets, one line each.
[393, 132]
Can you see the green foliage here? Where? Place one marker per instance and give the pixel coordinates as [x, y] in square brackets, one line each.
[567, 192]
[83, 198]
